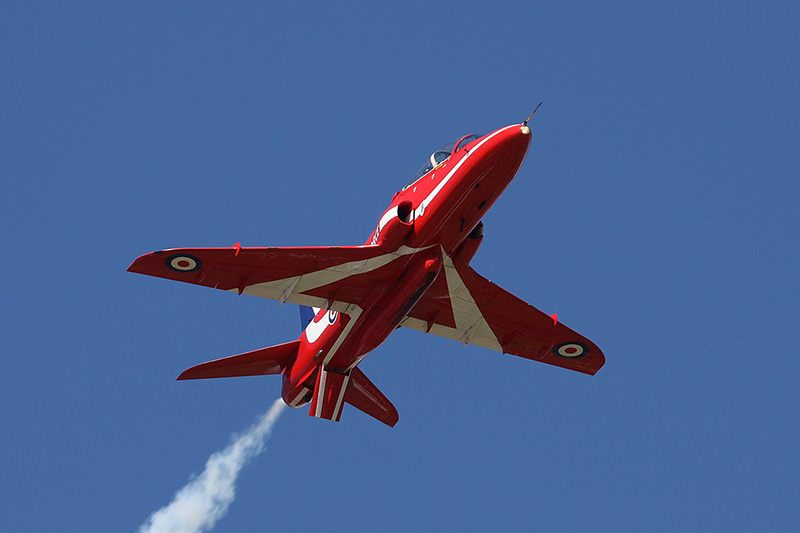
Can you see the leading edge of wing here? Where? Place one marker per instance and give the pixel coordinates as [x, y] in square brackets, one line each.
[313, 276]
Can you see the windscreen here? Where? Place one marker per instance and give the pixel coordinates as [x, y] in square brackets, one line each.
[440, 155]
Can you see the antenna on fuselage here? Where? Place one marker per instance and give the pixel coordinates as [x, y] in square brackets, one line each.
[531, 115]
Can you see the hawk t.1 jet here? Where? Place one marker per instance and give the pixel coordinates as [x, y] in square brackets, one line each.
[413, 271]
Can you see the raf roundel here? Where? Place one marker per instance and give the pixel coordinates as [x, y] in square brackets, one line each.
[332, 316]
[571, 350]
[183, 263]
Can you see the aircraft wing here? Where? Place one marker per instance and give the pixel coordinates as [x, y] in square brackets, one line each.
[465, 306]
[326, 277]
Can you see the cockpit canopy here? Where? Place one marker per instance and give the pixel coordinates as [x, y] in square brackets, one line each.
[441, 155]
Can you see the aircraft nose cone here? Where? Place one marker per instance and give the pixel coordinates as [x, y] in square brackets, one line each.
[506, 153]
[514, 141]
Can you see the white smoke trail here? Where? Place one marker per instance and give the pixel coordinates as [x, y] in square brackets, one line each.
[205, 499]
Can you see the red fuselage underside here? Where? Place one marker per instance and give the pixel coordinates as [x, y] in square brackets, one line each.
[446, 204]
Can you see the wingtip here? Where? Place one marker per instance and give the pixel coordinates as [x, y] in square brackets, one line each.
[597, 363]
[137, 265]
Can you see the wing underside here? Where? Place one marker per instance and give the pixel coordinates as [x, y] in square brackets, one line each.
[460, 305]
[326, 277]
[464, 306]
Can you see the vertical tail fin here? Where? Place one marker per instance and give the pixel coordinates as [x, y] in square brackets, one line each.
[306, 316]
[329, 395]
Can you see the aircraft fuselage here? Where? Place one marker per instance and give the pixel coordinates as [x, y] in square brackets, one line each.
[425, 230]
[414, 271]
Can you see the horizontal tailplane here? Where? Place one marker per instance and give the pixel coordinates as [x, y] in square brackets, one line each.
[365, 396]
[261, 362]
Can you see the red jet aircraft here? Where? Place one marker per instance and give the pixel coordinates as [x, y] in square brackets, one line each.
[413, 271]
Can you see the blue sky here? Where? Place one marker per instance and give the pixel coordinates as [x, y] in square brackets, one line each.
[656, 213]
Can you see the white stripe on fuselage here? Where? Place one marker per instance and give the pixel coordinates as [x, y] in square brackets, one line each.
[338, 408]
[320, 393]
[420, 210]
[353, 312]
[299, 397]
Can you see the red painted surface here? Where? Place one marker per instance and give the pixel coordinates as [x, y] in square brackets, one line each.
[412, 271]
